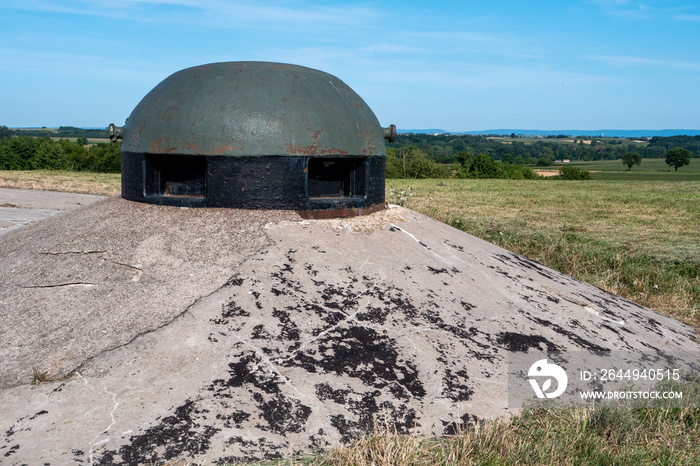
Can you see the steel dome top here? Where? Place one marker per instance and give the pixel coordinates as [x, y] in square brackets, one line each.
[250, 109]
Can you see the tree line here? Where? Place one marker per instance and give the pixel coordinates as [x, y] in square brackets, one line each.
[67, 132]
[410, 156]
[443, 148]
[32, 153]
[411, 162]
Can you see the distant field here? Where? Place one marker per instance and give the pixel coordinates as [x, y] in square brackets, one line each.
[53, 130]
[89, 140]
[104, 184]
[614, 170]
[586, 140]
[649, 170]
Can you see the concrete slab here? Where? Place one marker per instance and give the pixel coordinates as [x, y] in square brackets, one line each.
[224, 335]
[21, 207]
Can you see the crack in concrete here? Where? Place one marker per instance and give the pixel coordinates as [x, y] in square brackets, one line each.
[181, 314]
[58, 285]
[267, 361]
[419, 242]
[61, 253]
[138, 267]
[93, 442]
[227, 283]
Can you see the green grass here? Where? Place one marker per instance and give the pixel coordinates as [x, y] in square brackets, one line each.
[637, 239]
[104, 184]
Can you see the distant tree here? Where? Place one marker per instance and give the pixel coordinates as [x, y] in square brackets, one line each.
[48, 156]
[569, 172]
[512, 135]
[463, 158]
[409, 162]
[631, 158]
[18, 153]
[677, 157]
[483, 166]
[394, 165]
[5, 132]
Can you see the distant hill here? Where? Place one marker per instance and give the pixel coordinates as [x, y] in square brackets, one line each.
[428, 131]
[616, 133]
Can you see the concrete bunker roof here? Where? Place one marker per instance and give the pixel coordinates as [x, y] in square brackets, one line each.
[253, 109]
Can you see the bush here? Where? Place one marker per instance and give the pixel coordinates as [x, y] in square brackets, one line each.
[28, 153]
[483, 166]
[569, 172]
[5, 132]
[411, 162]
[18, 153]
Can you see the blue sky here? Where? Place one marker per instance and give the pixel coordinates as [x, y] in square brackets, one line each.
[454, 65]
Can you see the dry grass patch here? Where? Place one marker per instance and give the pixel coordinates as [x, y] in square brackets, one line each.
[103, 184]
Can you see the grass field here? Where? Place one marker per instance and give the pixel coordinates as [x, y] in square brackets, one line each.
[649, 170]
[90, 141]
[586, 140]
[103, 184]
[636, 234]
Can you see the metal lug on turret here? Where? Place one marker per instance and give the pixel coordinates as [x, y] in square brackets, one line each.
[390, 133]
[115, 132]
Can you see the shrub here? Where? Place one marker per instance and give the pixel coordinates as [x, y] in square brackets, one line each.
[28, 153]
[569, 172]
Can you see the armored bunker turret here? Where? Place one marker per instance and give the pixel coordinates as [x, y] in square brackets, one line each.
[254, 135]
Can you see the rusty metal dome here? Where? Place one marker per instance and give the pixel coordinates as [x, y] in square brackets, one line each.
[253, 108]
[196, 138]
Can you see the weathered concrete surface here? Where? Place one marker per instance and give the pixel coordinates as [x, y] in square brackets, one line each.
[21, 207]
[288, 337]
[76, 285]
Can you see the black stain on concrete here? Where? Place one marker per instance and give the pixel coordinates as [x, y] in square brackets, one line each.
[575, 339]
[284, 415]
[456, 388]
[519, 342]
[11, 451]
[362, 353]
[176, 435]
